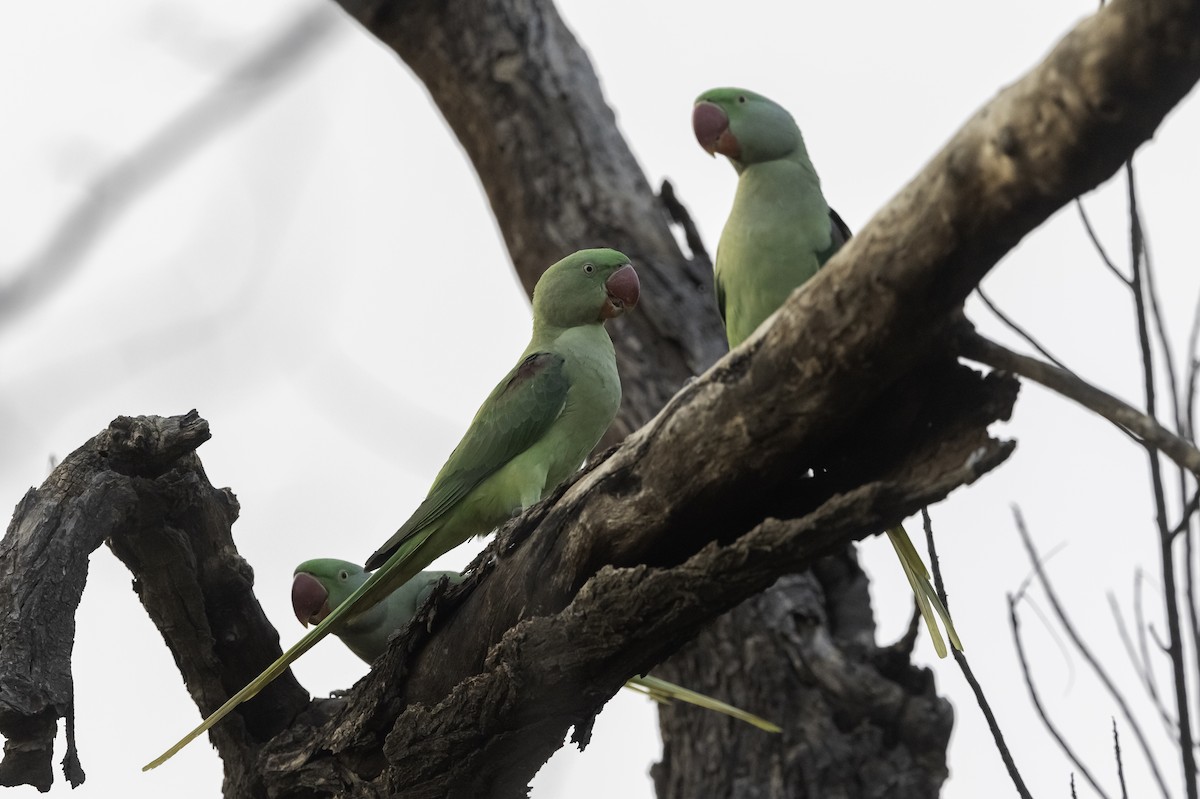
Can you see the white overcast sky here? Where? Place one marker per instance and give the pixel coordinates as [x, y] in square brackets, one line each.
[324, 282]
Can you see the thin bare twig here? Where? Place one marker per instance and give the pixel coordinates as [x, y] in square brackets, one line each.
[1020, 331]
[1142, 668]
[1139, 619]
[1124, 416]
[1120, 765]
[1165, 539]
[1091, 232]
[1015, 625]
[980, 699]
[1189, 570]
[1096, 242]
[115, 190]
[1189, 432]
[1193, 372]
[1140, 242]
[1086, 653]
[1189, 509]
[1047, 625]
[1156, 315]
[1160, 643]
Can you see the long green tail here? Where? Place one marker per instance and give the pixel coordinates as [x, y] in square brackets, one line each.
[927, 598]
[370, 593]
[665, 692]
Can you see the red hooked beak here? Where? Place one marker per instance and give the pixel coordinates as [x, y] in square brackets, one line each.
[623, 290]
[310, 600]
[711, 125]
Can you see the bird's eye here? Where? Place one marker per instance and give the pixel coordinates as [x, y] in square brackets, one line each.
[741, 98]
[343, 575]
[589, 268]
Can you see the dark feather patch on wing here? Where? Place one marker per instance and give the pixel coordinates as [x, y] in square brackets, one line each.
[840, 230]
[839, 234]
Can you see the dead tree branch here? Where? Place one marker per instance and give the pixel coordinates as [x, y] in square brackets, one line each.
[138, 486]
[1121, 414]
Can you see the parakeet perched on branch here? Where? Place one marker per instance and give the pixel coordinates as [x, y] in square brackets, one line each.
[532, 431]
[321, 585]
[779, 233]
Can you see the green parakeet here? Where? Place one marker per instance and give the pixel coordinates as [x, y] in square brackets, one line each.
[322, 584]
[779, 233]
[532, 431]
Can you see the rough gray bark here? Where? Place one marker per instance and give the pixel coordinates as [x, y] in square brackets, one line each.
[138, 486]
[705, 506]
[859, 721]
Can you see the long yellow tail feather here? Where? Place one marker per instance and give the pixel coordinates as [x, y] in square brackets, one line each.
[664, 692]
[928, 601]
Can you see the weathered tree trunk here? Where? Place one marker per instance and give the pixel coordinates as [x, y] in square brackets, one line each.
[860, 722]
[782, 453]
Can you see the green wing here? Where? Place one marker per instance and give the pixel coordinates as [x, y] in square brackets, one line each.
[515, 415]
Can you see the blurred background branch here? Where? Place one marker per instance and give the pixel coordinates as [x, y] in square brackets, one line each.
[239, 92]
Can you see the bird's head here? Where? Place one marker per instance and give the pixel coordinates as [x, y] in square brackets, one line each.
[321, 585]
[745, 127]
[585, 287]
